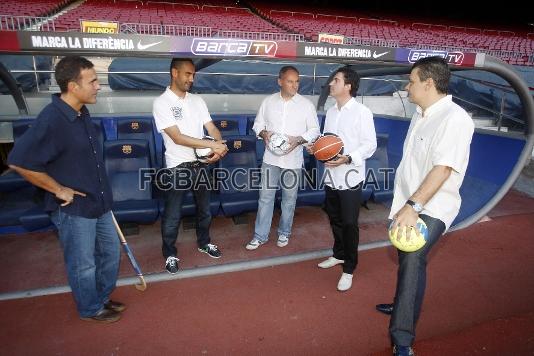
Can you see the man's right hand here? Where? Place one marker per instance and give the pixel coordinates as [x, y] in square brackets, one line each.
[266, 136]
[67, 195]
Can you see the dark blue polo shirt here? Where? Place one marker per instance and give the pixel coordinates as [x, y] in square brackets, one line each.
[64, 144]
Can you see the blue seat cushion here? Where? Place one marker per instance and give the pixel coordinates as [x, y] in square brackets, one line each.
[139, 211]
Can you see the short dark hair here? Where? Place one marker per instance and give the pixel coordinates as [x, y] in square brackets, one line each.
[350, 76]
[435, 68]
[68, 69]
[286, 69]
[177, 63]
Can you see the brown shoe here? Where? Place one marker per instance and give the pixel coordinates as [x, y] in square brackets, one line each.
[115, 306]
[104, 316]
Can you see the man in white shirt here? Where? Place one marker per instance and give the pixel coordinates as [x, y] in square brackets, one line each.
[181, 118]
[427, 186]
[291, 114]
[344, 176]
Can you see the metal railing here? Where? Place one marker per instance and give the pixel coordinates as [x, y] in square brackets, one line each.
[370, 42]
[168, 30]
[251, 35]
[26, 23]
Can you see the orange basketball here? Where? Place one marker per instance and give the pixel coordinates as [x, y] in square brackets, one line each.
[327, 147]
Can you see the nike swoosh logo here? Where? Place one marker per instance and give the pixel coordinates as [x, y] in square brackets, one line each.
[143, 47]
[375, 55]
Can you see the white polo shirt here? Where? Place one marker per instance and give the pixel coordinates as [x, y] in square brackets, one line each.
[441, 137]
[354, 124]
[294, 117]
[189, 114]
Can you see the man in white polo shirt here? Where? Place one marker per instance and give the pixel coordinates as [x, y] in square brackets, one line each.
[181, 118]
[344, 176]
[288, 113]
[427, 186]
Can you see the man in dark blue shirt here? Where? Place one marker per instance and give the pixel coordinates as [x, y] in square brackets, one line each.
[61, 155]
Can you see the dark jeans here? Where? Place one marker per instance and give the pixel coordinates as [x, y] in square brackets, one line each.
[411, 283]
[170, 222]
[343, 209]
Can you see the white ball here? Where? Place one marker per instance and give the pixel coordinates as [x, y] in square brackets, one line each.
[203, 154]
[278, 144]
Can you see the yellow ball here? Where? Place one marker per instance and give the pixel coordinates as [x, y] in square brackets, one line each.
[409, 239]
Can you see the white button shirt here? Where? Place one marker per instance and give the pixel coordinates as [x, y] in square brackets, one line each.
[441, 137]
[189, 114]
[294, 117]
[354, 124]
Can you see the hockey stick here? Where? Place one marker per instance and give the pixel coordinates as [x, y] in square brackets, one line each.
[140, 286]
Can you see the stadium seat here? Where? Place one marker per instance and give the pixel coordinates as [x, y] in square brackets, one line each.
[227, 127]
[250, 124]
[260, 150]
[35, 218]
[139, 128]
[123, 159]
[239, 194]
[382, 190]
[11, 180]
[30, 209]
[313, 192]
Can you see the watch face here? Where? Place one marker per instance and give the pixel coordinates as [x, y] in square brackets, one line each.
[418, 207]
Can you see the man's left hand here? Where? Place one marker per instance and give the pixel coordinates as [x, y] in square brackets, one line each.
[294, 141]
[406, 217]
[214, 158]
[340, 159]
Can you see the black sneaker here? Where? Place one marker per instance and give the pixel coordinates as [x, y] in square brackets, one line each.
[171, 265]
[211, 250]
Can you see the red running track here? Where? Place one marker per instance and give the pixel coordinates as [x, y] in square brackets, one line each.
[479, 301]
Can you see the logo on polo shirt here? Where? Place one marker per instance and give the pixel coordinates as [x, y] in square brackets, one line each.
[135, 125]
[126, 149]
[177, 113]
[237, 144]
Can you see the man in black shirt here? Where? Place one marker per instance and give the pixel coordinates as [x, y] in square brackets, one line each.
[61, 155]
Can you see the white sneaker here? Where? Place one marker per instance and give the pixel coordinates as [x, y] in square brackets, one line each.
[254, 244]
[330, 262]
[345, 282]
[283, 240]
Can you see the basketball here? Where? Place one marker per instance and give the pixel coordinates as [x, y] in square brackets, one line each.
[418, 237]
[327, 147]
[204, 154]
[278, 144]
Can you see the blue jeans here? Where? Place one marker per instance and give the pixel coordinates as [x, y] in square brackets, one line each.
[91, 250]
[170, 221]
[411, 284]
[271, 178]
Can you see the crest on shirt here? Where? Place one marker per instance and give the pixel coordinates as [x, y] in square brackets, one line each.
[177, 113]
[237, 144]
[224, 124]
[127, 149]
[135, 125]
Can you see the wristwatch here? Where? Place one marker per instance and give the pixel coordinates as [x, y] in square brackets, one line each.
[416, 206]
[349, 159]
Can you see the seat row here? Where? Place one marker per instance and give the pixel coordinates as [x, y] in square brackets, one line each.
[131, 146]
